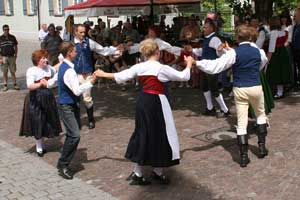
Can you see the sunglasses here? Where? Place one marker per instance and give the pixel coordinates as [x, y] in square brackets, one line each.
[6, 29]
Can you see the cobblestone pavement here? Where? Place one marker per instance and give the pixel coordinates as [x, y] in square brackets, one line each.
[209, 166]
[26, 177]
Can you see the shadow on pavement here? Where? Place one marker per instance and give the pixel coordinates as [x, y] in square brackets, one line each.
[181, 187]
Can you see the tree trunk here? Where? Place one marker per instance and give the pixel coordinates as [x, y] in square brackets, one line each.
[264, 9]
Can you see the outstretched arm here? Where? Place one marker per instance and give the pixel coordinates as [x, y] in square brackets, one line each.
[218, 65]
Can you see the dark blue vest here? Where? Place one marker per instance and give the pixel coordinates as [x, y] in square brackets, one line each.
[246, 67]
[65, 95]
[208, 52]
[296, 38]
[83, 61]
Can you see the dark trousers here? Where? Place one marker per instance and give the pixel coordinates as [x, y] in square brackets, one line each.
[70, 115]
[210, 82]
[296, 60]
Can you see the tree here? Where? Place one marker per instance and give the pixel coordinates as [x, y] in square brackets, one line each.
[264, 9]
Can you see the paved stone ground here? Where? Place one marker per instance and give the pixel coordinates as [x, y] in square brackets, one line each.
[209, 166]
[26, 177]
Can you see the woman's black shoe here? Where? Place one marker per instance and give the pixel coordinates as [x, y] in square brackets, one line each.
[276, 96]
[162, 179]
[41, 153]
[135, 180]
[65, 173]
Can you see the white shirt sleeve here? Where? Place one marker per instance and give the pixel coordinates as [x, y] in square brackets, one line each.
[218, 65]
[261, 39]
[71, 80]
[163, 45]
[264, 59]
[30, 77]
[198, 51]
[167, 73]
[105, 51]
[127, 74]
[272, 44]
[290, 30]
[134, 48]
[215, 42]
[52, 81]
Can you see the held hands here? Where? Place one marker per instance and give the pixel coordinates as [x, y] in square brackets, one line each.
[43, 83]
[190, 61]
[99, 73]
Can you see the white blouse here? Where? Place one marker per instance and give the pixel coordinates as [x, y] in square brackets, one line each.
[36, 73]
[273, 38]
[164, 73]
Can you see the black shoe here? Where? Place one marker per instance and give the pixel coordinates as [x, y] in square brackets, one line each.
[211, 112]
[40, 153]
[65, 173]
[223, 114]
[276, 96]
[243, 148]
[162, 179]
[91, 125]
[135, 180]
[244, 160]
[263, 151]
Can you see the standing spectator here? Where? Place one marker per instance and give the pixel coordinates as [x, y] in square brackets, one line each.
[69, 25]
[295, 45]
[43, 32]
[191, 27]
[9, 52]
[279, 70]
[128, 31]
[51, 43]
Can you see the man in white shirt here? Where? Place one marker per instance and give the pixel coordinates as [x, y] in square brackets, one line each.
[69, 91]
[43, 32]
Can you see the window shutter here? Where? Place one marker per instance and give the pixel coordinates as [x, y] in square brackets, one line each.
[51, 8]
[25, 7]
[64, 4]
[2, 9]
[11, 5]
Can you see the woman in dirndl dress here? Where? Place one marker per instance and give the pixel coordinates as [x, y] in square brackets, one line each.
[279, 69]
[40, 115]
[154, 141]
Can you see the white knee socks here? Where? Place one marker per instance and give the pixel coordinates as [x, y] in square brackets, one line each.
[138, 170]
[208, 99]
[39, 145]
[279, 90]
[221, 103]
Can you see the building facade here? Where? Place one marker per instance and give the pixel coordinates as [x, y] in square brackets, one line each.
[24, 19]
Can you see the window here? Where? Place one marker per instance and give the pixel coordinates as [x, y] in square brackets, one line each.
[58, 7]
[30, 7]
[8, 7]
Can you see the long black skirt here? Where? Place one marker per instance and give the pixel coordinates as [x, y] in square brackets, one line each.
[40, 115]
[149, 143]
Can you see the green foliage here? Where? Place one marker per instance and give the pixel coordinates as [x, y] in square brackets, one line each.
[283, 6]
[240, 9]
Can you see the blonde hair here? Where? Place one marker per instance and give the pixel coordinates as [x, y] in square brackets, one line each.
[148, 48]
